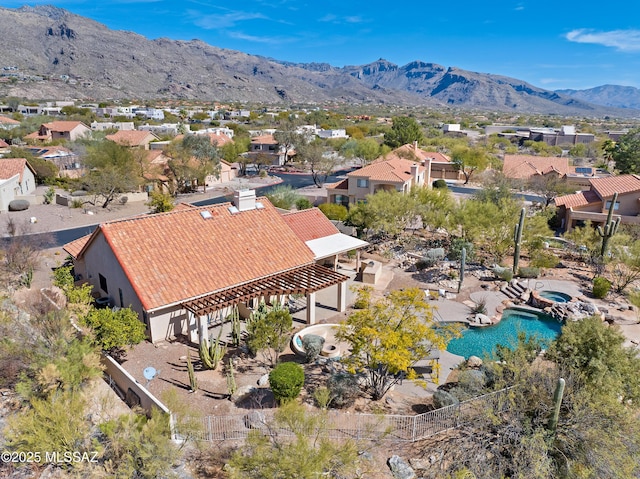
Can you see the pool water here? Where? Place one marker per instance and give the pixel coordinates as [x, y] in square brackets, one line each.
[482, 342]
[556, 296]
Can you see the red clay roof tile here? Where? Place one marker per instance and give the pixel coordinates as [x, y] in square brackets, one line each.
[310, 224]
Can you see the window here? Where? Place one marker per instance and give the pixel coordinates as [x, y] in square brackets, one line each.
[615, 208]
[121, 300]
[103, 283]
[363, 183]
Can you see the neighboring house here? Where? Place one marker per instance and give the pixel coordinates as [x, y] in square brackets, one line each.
[527, 167]
[133, 138]
[228, 172]
[67, 161]
[564, 136]
[4, 147]
[8, 123]
[112, 125]
[328, 134]
[184, 270]
[17, 179]
[59, 130]
[267, 147]
[400, 170]
[593, 204]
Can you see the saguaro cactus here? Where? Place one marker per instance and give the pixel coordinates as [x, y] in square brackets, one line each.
[517, 238]
[211, 356]
[557, 402]
[463, 263]
[193, 381]
[236, 332]
[610, 226]
[231, 380]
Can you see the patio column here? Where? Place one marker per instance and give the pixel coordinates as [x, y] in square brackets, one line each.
[311, 308]
[341, 305]
[357, 261]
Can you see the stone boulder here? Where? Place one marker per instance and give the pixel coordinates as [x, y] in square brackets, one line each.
[400, 469]
[474, 362]
[254, 420]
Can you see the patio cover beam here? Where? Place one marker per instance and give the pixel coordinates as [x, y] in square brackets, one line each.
[302, 280]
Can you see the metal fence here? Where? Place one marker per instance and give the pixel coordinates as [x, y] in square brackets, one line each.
[340, 425]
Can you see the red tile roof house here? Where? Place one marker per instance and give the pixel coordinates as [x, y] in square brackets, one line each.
[593, 204]
[17, 180]
[133, 138]
[59, 130]
[183, 270]
[400, 170]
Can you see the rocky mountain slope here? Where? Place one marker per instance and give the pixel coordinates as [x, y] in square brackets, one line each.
[56, 54]
[607, 95]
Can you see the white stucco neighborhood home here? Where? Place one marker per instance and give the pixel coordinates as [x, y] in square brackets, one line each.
[17, 181]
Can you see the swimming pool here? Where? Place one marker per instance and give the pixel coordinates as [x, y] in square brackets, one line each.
[482, 341]
[556, 296]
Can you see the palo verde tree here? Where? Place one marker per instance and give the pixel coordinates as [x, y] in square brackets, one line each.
[404, 130]
[389, 336]
[313, 157]
[469, 160]
[112, 171]
[193, 159]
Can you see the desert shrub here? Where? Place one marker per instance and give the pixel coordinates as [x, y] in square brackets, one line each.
[18, 205]
[286, 381]
[79, 193]
[544, 259]
[440, 184]
[344, 389]
[443, 398]
[455, 250]
[303, 204]
[322, 397]
[505, 274]
[334, 211]
[77, 203]
[471, 383]
[479, 307]
[528, 272]
[601, 287]
[312, 345]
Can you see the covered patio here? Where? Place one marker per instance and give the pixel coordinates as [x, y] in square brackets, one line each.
[306, 280]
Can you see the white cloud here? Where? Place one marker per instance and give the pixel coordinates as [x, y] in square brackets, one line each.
[257, 39]
[622, 40]
[331, 18]
[226, 20]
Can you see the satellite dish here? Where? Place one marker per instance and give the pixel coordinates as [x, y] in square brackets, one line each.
[149, 373]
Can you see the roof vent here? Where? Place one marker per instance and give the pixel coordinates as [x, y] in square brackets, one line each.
[206, 214]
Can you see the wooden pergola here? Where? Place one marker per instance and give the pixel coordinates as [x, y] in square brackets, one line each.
[306, 280]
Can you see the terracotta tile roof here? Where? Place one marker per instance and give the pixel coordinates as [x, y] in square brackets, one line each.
[264, 140]
[582, 198]
[175, 256]
[63, 125]
[525, 166]
[132, 137]
[8, 121]
[606, 187]
[310, 224]
[340, 185]
[410, 151]
[76, 246]
[3, 144]
[219, 139]
[396, 170]
[9, 167]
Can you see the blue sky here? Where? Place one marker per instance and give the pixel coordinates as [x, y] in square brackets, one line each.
[553, 45]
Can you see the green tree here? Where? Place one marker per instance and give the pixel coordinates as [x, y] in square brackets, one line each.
[363, 150]
[549, 187]
[113, 171]
[469, 160]
[626, 153]
[192, 159]
[160, 202]
[269, 333]
[313, 157]
[404, 130]
[283, 196]
[333, 211]
[389, 336]
[308, 455]
[115, 330]
[288, 138]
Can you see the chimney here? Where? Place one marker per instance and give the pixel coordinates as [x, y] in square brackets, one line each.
[244, 200]
[415, 145]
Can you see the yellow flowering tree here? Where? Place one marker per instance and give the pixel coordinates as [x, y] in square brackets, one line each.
[390, 335]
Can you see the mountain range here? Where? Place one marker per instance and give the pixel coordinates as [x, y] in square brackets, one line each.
[55, 54]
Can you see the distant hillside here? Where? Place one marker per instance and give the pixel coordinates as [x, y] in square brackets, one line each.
[607, 95]
[53, 53]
